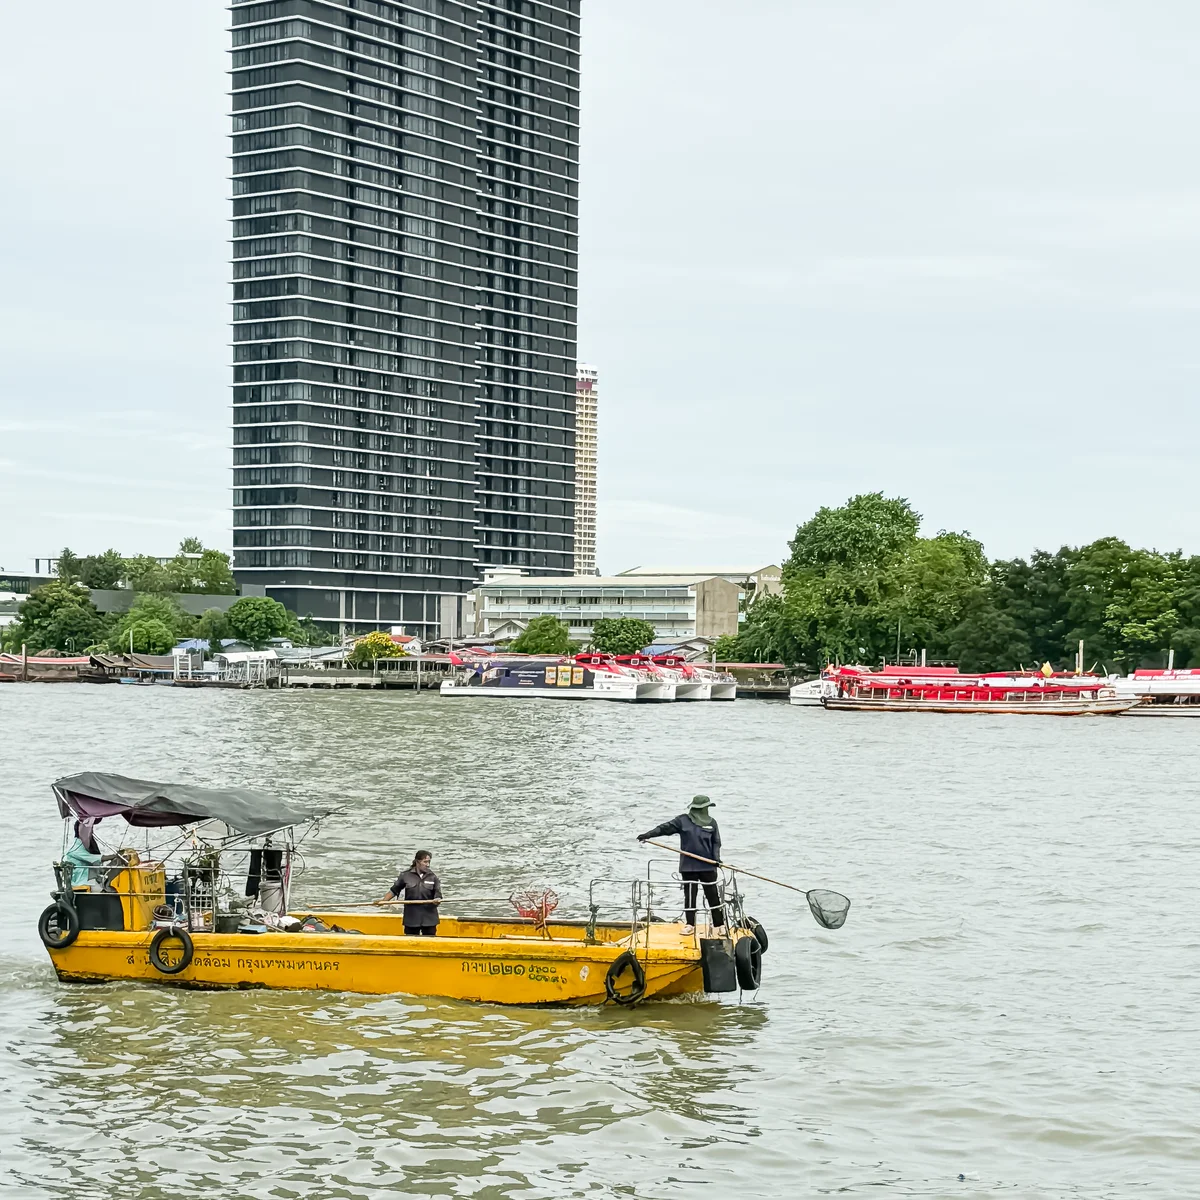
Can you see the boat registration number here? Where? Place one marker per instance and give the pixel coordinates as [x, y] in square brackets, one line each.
[534, 972]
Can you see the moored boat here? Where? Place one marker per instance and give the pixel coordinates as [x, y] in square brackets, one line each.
[1160, 693]
[807, 694]
[585, 677]
[689, 684]
[128, 919]
[645, 668]
[945, 690]
[722, 685]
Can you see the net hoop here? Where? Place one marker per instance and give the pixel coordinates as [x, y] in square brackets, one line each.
[829, 909]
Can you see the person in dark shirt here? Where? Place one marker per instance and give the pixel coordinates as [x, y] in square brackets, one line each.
[699, 836]
[418, 883]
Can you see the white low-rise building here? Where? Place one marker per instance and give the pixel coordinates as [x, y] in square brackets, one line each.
[677, 606]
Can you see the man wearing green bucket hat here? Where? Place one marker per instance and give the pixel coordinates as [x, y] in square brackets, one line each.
[699, 839]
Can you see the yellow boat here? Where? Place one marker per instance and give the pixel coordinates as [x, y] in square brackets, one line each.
[121, 926]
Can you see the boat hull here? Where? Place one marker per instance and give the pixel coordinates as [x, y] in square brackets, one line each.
[1148, 709]
[689, 689]
[491, 962]
[724, 689]
[635, 691]
[1038, 708]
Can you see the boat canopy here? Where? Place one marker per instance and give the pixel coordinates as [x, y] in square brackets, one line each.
[94, 794]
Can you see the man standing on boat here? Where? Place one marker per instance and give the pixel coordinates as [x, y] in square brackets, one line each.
[699, 839]
[423, 890]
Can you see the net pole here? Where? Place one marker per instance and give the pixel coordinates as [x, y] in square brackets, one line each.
[729, 867]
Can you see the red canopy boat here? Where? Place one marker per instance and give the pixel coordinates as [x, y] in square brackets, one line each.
[945, 689]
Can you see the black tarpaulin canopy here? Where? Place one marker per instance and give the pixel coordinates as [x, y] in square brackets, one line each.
[94, 794]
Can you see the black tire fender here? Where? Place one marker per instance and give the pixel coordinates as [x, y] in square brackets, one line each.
[625, 961]
[760, 934]
[185, 961]
[58, 926]
[747, 958]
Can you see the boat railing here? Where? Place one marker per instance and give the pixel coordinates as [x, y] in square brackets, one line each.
[652, 901]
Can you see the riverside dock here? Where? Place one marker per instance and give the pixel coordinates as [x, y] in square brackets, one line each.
[411, 672]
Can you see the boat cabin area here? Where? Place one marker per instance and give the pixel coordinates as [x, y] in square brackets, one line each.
[948, 685]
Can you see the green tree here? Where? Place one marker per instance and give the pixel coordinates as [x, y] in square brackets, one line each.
[146, 574]
[255, 619]
[544, 635]
[214, 574]
[209, 573]
[306, 632]
[212, 627]
[859, 577]
[104, 571]
[727, 650]
[988, 639]
[148, 637]
[57, 616]
[68, 565]
[374, 645]
[149, 608]
[869, 530]
[1122, 603]
[621, 635]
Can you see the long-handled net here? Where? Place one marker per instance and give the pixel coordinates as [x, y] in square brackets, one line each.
[828, 908]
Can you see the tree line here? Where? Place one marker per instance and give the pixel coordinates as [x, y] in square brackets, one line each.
[610, 635]
[861, 584]
[61, 616]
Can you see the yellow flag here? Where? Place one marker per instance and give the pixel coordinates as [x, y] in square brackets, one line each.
[1047, 670]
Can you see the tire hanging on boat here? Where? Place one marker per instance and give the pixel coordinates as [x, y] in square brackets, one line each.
[160, 964]
[760, 934]
[58, 926]
[747, 958]
[625, 961]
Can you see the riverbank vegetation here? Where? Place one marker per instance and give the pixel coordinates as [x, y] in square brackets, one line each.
[862, 585]
[193, 569]
[546, 634]
[61, 615]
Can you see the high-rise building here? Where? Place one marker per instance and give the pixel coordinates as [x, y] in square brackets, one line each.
[587, 396]
[405, 183]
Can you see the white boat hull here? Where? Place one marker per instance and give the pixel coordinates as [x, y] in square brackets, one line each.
[1031, 708]
[691, 689]
[1144, 709]
[628, 690]
[806, 695]
[723, 689]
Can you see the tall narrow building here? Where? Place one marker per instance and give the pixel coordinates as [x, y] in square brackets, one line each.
[405, 183]
[587, 398]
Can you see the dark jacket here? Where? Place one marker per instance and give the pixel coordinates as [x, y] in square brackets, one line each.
[414, 886]
[693, 839]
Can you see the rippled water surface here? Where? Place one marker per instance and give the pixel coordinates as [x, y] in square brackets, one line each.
[1014, 997]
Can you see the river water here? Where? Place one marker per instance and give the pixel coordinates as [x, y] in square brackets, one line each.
[1013, 998]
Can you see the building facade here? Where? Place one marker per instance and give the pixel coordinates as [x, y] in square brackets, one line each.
[587, 398]
[405, 189]
[677, 607]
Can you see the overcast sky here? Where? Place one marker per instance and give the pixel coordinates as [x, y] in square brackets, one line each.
[949, 251]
